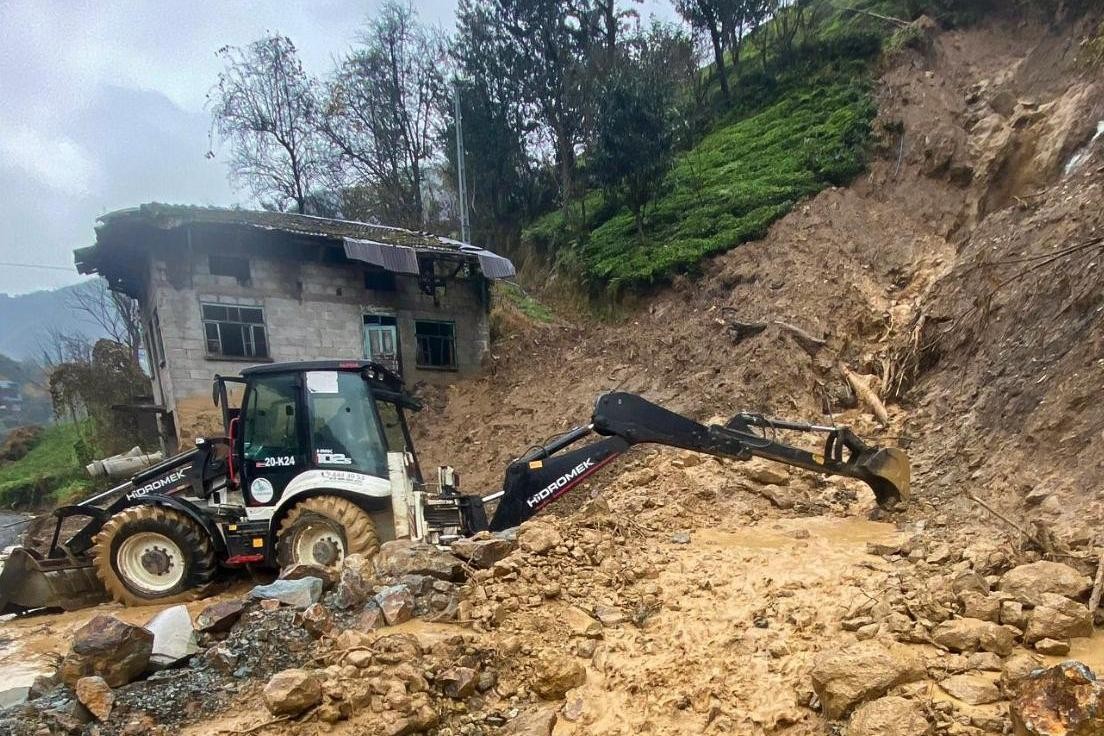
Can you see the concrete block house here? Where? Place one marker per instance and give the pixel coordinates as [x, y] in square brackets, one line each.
[223, 289]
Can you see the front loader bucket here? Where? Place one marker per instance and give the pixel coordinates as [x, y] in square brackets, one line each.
[28, 582]
[888, 474]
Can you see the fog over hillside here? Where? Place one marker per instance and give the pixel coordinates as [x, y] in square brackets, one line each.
[27, 319]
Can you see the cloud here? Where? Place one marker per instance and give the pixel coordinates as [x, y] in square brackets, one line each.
[56, 162]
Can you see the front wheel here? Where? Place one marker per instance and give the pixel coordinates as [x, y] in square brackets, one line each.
[323, 530]
[149, 554]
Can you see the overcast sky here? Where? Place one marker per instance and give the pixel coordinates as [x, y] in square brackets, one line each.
[102, 106]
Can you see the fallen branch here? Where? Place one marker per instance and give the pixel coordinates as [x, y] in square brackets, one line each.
[1098, 586]
[888, 18]
[862, 389]
[743, 330]
[1007, 521]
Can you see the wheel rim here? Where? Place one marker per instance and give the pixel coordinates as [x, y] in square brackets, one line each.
[150, 561]
[319, 544]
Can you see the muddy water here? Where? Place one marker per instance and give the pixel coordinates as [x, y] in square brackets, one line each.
[11, 527]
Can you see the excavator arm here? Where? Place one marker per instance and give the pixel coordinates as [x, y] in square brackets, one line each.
[622, 420]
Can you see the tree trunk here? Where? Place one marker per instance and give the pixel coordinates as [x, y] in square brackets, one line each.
[718, 57]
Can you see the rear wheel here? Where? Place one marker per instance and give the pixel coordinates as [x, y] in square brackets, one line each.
[323, 530]
[148, 554]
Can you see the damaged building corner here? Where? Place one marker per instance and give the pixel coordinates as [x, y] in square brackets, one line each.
[222, 289]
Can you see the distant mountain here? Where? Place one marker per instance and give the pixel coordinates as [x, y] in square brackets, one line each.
[26, 320]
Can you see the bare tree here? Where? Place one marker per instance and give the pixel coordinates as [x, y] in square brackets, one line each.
[263, 105]
[116, 314]
[382, 113]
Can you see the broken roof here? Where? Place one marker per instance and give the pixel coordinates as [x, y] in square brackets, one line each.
[397, 245]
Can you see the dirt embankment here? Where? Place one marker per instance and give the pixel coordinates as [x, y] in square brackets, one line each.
[701, 596]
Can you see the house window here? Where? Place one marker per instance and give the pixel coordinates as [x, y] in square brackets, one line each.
[436, 344]
[379, 280]
[235, 266]
[234, 331]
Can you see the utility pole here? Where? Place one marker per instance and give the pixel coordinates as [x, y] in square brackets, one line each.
[462, 186]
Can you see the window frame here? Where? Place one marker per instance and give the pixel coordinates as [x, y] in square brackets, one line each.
[419, 362]
[243, 276]
[222, 355]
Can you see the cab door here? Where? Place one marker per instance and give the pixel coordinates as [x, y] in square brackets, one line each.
[273, 443]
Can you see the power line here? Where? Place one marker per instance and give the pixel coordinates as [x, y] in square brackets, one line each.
[70, 269]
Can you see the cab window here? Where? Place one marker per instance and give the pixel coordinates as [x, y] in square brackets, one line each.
[344, 430]
[269, 423]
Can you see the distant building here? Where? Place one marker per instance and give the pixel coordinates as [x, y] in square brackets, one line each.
[222, 289]
[11, 399]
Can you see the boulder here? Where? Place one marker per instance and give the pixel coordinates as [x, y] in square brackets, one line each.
[1065, 700]
[609, 615]
[1057, 617]
[295, 593]
[316, 620]
[482, 551]
[354, 584]
[112, 649]
[536, 721]
[1027, 583]
[765, 472]
[174, 638]
[396, 604]
[96, 695]
[538, 537]
[889, 716]
[971, 689]
[458, 682]
[1052, 647]
[980, 606]
[371, 618]
[300, 570]
[971, 634]
[1012, 614]
[844, 678]
[1016, 668]
[556, 674]
[969, 582]
[291, 692]
[406, 557]
[581, 623]
[219, 617]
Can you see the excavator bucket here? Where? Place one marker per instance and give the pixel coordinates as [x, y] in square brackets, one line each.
[29, 581]
[888, 474]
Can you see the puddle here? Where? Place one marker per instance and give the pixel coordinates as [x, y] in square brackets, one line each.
[841, 533]
[1087, 650]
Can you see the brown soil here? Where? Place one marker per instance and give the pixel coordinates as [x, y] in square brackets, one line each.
[963, 274]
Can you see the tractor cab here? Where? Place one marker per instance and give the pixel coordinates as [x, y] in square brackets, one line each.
[303, 426]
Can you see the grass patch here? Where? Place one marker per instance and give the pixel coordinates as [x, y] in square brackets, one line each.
[524, 303]
[741, 178]
[48, 469]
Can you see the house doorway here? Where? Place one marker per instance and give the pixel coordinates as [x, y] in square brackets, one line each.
[381, 341]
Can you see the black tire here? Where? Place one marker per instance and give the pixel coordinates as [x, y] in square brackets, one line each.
[172, 542]
[337, 518]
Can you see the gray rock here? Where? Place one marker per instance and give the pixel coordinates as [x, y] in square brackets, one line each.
[354, 582]
[174, 639]
[609, 615]
[405, 557]
[295, 593]
[681, 537]
[483, 552]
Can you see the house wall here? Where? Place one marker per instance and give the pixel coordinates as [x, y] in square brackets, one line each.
[312, 311]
